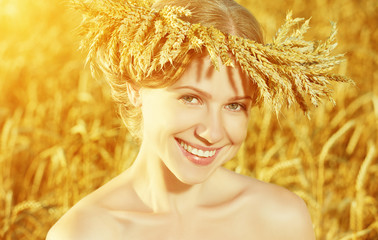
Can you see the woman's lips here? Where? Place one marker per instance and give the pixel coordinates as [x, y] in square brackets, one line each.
[198, 160]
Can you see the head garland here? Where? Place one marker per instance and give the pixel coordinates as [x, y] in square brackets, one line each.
[133, 41]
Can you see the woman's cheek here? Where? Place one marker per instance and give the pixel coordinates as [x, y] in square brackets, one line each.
[186, 117]
[236, 127]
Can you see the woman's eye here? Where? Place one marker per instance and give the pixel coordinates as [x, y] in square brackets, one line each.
[189, 99]
[235, 107]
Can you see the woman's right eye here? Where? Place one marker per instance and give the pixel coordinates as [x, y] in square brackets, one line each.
[189, 99]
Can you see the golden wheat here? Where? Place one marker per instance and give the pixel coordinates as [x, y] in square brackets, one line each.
[60, 136]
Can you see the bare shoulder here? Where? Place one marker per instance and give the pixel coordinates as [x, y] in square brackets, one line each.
[275, 208]
[286, 212]
[82, 222]
[92, 218]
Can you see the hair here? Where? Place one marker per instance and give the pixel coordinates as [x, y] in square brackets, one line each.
[226, 15]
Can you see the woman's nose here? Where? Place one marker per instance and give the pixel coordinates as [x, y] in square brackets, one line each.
[211, 128]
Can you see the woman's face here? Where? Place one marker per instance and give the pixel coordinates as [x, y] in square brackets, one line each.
[198, 123]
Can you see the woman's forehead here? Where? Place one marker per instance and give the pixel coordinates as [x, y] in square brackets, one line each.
[201, 70]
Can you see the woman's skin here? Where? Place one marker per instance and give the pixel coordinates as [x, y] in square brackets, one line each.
[170, 193]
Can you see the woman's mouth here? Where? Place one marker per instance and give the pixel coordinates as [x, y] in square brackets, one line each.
[196, 154]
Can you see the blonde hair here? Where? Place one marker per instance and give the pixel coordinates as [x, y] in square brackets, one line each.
[226, 15]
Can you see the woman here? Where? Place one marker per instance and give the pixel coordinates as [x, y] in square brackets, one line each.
[185, 79]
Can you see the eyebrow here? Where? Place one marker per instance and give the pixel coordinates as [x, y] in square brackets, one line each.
[207, 95]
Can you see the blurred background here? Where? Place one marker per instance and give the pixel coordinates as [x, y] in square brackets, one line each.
[61, 138]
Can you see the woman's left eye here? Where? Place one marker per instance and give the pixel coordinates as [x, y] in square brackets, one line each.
[235, 107]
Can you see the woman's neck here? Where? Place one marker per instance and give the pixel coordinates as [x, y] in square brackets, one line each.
[159, 188]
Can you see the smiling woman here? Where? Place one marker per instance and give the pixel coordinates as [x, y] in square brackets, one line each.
[198, 123]
[186, 74]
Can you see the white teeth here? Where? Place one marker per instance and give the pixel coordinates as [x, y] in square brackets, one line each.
[196, 151]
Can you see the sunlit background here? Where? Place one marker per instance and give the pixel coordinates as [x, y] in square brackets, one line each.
[60, 137]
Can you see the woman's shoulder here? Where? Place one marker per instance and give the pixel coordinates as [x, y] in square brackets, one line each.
[92, 217]
[276, 208]
[83, 221]
[266, 192]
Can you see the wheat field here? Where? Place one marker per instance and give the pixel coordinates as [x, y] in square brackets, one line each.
[61, 138]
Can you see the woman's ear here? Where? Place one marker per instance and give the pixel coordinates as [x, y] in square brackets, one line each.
[133, 94]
